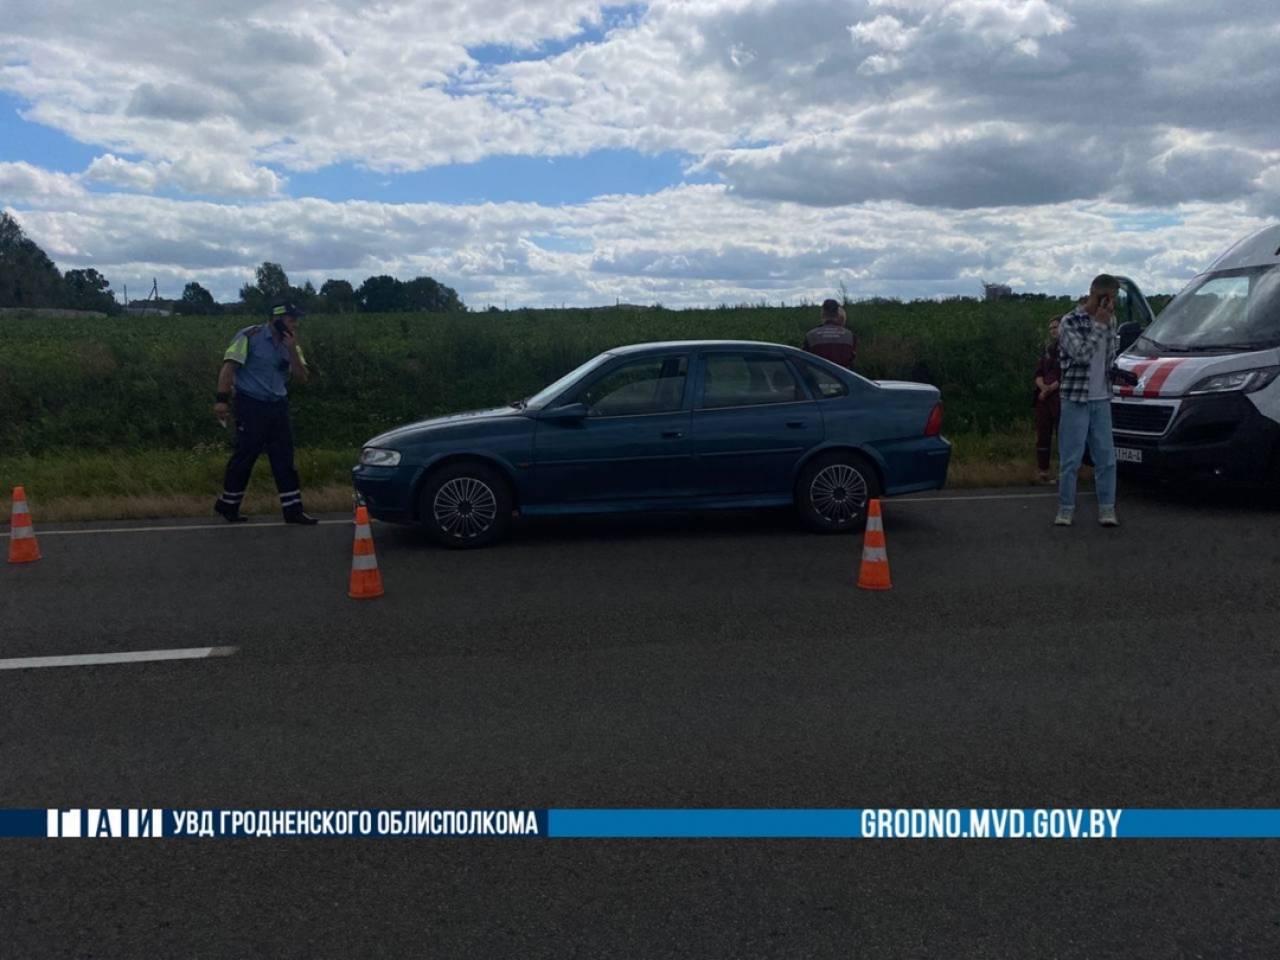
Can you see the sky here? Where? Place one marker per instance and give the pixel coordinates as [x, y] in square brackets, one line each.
[683, 152]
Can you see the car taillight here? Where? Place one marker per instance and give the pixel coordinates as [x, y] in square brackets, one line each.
[933, 426]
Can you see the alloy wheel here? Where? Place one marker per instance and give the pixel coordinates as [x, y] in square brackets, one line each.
[838, 493]
[465, 507]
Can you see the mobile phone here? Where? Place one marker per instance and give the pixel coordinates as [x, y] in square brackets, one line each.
[280, 326]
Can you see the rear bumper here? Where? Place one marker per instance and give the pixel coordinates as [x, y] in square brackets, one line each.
[1220, 437]
[914, 465]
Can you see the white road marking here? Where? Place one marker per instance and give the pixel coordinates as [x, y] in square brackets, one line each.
[995, 496]
[258, 526]
[137, 656]
[166, 529]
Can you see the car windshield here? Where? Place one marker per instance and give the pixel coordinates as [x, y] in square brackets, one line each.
[549, 393]
[1229, 310]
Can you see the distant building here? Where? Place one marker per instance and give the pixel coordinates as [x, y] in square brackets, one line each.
[996, 291]
[151, 308]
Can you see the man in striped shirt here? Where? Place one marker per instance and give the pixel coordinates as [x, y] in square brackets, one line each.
[1086, 347]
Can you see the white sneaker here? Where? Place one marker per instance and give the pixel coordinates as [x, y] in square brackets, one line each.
[1063, 519]
[1107, 516]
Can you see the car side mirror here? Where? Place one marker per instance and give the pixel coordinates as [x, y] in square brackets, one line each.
[568, 413]
[1126, 333]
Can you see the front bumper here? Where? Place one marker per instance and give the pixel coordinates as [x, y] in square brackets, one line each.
[1212, 437]
[387, 492]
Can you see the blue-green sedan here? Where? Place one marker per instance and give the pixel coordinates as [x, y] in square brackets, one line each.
[688, 425]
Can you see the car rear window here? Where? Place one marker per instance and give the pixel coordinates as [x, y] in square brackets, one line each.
[824, 384]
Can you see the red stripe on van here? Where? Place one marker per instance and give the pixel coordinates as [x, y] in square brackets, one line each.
[1138, 370]
[1158, 378]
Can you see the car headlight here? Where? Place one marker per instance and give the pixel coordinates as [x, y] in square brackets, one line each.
[1245, 381]
[377, 457]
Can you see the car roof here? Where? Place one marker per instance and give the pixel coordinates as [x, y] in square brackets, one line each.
[695, 344]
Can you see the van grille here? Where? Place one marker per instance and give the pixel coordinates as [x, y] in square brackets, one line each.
[1141, 417]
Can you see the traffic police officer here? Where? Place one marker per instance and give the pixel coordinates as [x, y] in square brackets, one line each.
[259, 363]
[833, 340]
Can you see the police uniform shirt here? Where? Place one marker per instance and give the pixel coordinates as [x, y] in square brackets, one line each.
[262, 363]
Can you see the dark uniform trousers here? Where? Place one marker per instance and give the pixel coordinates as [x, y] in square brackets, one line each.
[261, 425]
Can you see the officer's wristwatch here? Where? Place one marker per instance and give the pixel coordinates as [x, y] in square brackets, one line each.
[222, 398]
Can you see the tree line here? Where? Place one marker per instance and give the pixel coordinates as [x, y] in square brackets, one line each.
[28, 278]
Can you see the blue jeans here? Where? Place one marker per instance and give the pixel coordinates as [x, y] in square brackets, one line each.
[1080, 423]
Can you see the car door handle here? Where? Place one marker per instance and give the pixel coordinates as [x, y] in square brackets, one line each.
[672, 434]
[796, 424]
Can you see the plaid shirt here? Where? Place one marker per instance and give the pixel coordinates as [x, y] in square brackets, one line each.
[1079, 338]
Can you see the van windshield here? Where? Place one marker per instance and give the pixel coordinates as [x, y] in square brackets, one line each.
[1228, 310]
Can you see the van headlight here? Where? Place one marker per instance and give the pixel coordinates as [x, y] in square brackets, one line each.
[377, 457]
[1245, 381]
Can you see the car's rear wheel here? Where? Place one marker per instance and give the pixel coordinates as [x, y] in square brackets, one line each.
[466, 504]
[834, 490]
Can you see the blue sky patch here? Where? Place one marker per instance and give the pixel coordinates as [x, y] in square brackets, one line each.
[41, 146]
[493, 54]
[1142, 222]
[558, 243]
[546, 180]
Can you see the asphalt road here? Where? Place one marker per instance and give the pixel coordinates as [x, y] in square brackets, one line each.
[717, 662]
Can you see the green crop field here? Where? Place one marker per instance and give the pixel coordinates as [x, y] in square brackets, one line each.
[116, 406]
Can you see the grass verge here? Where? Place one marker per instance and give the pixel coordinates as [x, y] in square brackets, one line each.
[135, 485]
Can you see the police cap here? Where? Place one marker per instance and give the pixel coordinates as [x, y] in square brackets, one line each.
[286, 308]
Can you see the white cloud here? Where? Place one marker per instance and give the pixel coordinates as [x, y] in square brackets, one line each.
[884, 31]
[112, 170]
[207, 174]
[902, 146]
[686, 246]
[22, 183]
[879, 63]
[213, 97]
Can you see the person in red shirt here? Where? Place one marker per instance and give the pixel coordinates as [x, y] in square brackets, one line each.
[1048, 403]
[833, 340]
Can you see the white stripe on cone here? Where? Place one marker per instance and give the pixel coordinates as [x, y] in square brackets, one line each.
[365, 562]
[22, 533]
[875, 553]
[363, 532]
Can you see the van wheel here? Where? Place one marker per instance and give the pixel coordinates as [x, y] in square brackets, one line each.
[833, 492]
[465, 505]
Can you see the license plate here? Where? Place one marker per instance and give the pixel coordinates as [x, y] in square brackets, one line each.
[1129, 454]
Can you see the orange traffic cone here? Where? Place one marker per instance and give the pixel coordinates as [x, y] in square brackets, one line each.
[366, 581]
[22, 535]
[874, 574]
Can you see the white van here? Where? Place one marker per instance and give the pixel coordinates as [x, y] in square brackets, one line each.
[1206, 403]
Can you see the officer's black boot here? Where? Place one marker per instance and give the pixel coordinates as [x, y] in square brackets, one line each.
[297, 515]
[229, 513]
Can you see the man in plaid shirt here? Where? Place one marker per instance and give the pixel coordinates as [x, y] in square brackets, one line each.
[1086, 347]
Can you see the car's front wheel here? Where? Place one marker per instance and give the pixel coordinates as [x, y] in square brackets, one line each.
[834, 491]
[466, 505]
